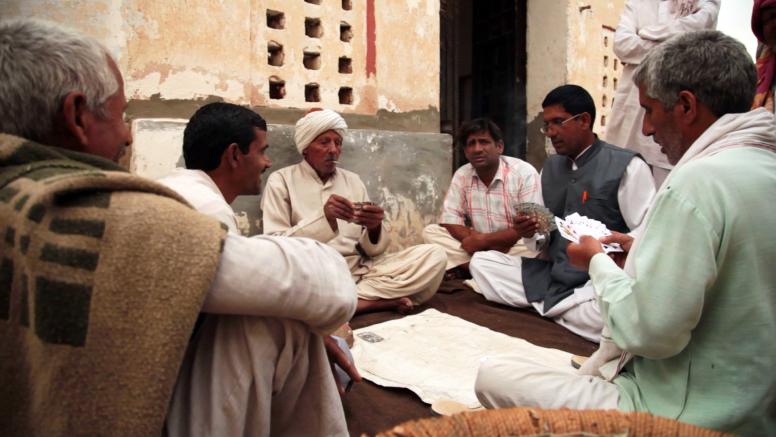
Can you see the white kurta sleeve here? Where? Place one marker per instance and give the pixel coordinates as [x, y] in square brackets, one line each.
[635, 193]
[277, 214]
[653, 315]
[293, 278]
[628, 45]
[704, 18]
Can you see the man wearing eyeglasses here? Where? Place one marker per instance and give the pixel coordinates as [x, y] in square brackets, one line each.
[587, 176]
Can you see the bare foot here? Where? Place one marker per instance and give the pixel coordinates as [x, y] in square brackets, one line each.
[402, 305]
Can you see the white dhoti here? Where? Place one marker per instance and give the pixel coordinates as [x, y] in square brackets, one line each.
[265, 376]
[499, 277]
[456, 256]
[519, 380]
[415, 272]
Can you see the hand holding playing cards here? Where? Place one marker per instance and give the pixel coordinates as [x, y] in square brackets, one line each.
[369, 215]
[580, 253]
[526, 225]
[337, 207]
[542, 221]
[624, 240]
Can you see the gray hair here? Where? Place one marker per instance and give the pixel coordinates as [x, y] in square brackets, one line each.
[40, 63]
[713, 66]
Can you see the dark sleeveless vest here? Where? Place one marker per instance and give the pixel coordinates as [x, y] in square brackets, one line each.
[599, 172]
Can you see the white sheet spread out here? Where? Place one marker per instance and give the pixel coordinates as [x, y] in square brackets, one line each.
[435, 355]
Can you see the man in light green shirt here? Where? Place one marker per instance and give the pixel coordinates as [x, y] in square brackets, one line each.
[694, 305]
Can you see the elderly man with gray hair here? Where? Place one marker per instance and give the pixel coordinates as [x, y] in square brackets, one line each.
[693, 302]
[104, 274]
[317, 199]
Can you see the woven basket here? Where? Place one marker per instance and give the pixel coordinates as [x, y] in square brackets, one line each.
[537, 422]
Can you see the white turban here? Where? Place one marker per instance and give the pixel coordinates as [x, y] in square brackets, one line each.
[315, 123]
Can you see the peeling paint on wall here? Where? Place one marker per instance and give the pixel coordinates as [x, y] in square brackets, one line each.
[182, 49]
[574, 54]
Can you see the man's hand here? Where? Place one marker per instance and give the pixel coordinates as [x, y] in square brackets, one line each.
[581, 253]
[338, 357]
[525, 225]
[369, 215]
[337, 207]
[473, 243]
[625, 241]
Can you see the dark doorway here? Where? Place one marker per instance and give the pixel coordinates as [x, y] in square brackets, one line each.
[483, 68]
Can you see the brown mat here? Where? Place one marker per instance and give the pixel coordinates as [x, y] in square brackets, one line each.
[537, 422]
[370, 408]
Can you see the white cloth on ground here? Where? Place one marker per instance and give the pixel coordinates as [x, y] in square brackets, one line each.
[436, 355]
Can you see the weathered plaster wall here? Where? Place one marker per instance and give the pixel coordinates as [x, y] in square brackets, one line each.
[191, 50]
[566, 45]
[406, 173]
[180, 54]
[407, 47]
[547, 51]
[589, 22]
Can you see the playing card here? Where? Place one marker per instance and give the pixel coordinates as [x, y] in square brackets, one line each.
[544, 218]
[575, 226]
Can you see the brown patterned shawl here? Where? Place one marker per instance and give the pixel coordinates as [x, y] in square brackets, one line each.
[102, 276]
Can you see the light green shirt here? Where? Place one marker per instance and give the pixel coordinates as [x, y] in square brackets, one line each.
[700, 314]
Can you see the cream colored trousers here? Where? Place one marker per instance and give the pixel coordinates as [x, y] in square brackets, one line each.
[436, 234]
[254, 376]
[519, 380]
[415, 272]
[499, 277]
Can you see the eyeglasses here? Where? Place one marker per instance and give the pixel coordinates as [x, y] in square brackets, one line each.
[556, 123]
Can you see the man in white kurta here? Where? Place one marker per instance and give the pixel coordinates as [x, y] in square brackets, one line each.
[695, 302]
[480, 205]
[252, 375]
[317, 199]
[643, 25]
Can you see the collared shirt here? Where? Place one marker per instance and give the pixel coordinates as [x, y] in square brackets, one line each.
[469, 202]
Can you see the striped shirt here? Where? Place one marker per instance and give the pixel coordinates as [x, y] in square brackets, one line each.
[489, 209]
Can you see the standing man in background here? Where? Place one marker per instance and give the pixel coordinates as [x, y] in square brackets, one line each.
[643, 25]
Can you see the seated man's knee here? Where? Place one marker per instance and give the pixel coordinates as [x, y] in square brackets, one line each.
[438, 256]
[479, 263]
[489, 384]
[429, 232]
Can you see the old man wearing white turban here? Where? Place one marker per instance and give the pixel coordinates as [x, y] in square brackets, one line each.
[318, 200]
